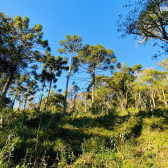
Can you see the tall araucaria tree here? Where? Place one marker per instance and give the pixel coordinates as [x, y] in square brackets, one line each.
[54, 67]
[96, 58]
[71, 45]
[22, 52]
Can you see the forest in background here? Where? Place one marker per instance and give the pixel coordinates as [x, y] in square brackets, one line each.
[118, 120]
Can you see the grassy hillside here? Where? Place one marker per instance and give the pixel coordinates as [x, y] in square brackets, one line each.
[116, 139]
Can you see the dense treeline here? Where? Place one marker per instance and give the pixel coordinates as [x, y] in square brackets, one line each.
[38, 130]
[127, 87]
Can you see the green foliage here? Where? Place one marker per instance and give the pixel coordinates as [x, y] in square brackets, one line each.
[71, 45]
[18, 46]
[122, 123]
[46, 139]
[146, 20]
[116, 140]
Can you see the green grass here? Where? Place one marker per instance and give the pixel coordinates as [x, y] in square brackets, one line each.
[107, 140]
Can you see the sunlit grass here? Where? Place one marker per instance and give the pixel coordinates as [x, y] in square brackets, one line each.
[104, 140]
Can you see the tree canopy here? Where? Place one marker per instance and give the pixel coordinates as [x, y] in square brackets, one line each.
[146, 20]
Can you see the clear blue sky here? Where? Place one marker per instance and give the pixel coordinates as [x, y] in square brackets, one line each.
[93, 20]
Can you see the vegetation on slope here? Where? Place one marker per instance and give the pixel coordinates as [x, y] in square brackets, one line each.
[115, 139]
[120, 120]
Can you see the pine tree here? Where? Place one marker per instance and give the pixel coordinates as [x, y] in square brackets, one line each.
[71, 45]
[96, 58]
[22, 42]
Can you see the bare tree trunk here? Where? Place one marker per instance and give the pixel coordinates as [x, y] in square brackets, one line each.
[1, 122]
[85, 107]
[164, 97]
[135, 102]
[45, 105]
[93, 89]
[108, 106]
[160, 97]
[153, 99]
[41, 97]
[140, 100]
[6, 87]
[74, 102]
[85, 103]
[66, 91]
[122, 107]
[126, 96]
[14, 100]
[150, 103]
[20, 102]
[25, 103]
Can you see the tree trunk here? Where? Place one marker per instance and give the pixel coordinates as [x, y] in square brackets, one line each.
[19, 104]
[85, 103]
[160, 97]
[13, 100]
[6, 87]
[135, 102]
[45, 105]
[25, 103]
[93, 89]
[153, 99]
[150, 103]
[140, 100]
[74, 102]
[122, 106]
[164, 97]
[41, 97]
[126, 96]
[66, 91]
[1, 122]
[121, 101]
[108, 106]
